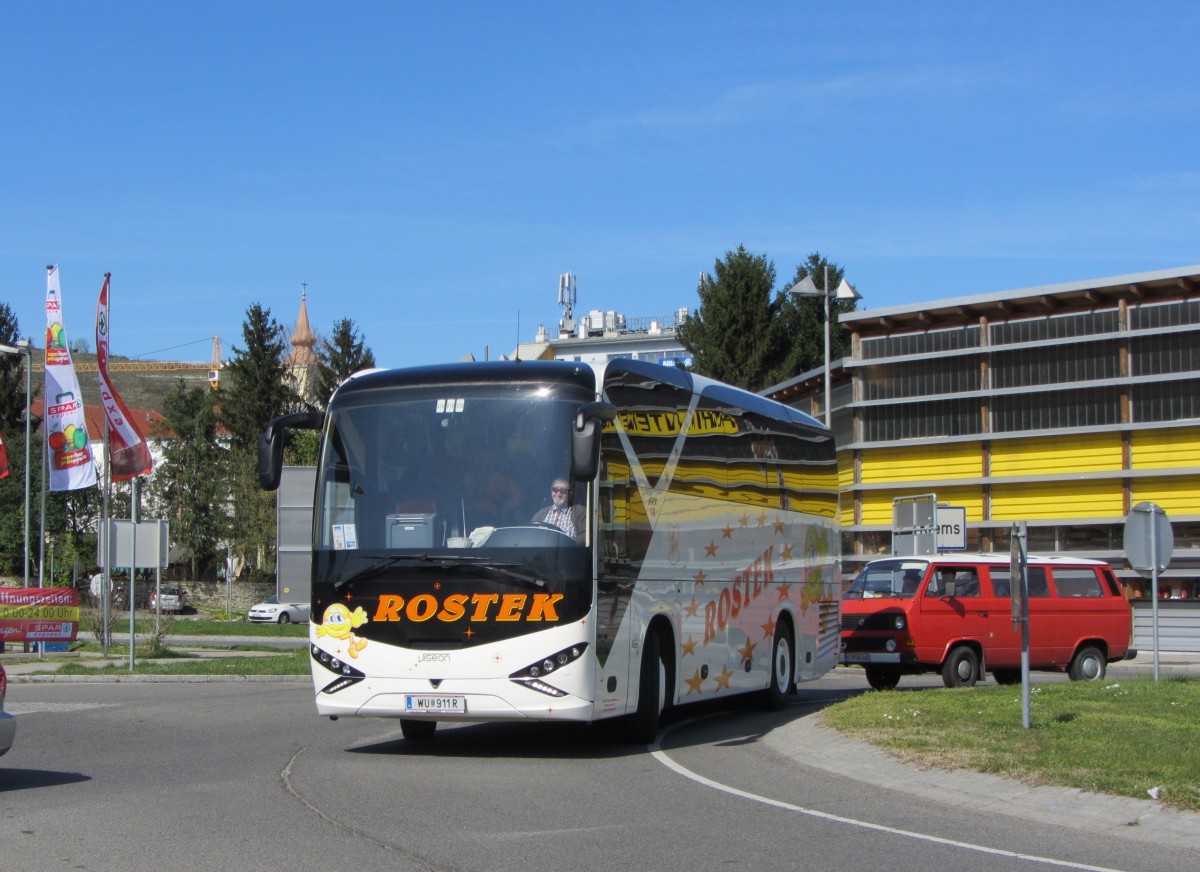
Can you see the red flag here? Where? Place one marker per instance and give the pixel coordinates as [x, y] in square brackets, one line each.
[3, 457]
[129, 454]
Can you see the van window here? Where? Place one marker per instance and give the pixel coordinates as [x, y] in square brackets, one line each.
[1002, 581]
[1114, 586]
[1077, 582]
[955, 581]
[886, 578]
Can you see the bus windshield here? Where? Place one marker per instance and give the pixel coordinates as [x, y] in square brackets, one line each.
[454, 470]
[888, 578]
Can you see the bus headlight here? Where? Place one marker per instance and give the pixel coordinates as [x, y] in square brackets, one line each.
[530, 676]
[899, 622]
[890, 645]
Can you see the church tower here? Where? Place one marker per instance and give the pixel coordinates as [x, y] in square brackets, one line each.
[302, 362]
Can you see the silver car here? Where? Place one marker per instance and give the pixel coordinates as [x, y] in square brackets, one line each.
[8, 724]
[274, 612]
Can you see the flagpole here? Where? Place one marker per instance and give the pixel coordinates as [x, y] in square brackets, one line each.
[105, 530]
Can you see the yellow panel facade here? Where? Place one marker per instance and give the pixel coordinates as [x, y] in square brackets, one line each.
[1178, 495]
[845, 460]
[1059, 499]
[922, 463]
[1083, 452]
[1166, 449]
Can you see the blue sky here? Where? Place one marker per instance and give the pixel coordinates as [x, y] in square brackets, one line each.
[429, 169]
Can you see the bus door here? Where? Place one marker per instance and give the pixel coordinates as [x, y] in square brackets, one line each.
[952, 607]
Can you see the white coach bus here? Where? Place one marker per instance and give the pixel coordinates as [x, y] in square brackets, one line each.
[695, 555]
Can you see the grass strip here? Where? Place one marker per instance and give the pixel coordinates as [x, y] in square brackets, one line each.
[1131, 738]
[289, 663]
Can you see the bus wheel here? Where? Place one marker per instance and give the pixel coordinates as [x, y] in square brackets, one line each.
[652, 690]
[1007, 676]
[417, 731]
[883, 677]
[783, 677]
[961, 668]
[1087, 665]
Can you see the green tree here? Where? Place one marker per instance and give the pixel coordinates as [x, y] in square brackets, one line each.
[257, 389]
[339, 357]
[734, 336]
[12, 375]
[191, 483]
[802, 322]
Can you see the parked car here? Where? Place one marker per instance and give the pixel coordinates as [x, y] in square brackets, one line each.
[172, 597]
[953, 614]
[274, 612]
[8, 724]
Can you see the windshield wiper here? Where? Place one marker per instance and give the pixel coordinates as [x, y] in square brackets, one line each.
[374, 568]
[510, 571]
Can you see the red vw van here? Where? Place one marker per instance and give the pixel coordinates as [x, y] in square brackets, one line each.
[953, 614]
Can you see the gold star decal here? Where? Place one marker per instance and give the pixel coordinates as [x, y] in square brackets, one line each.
[722, 680]
[784, 590]
[694, 683]
[727, 533]
[711, 548]
[699, 577]
[744, 521]
[779, 526]
[691, 608]
[747, 650]
[762, 519]
[689, 647]
[768, 629]
[786, 553]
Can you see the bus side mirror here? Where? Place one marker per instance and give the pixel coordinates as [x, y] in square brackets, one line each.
[270, 444]
[585, 439]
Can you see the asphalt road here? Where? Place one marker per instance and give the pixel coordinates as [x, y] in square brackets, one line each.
[244, 776]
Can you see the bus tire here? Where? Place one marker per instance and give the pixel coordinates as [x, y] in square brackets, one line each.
[417, 731]
[783, 672]
[643, 723]
[1088, 664]
[961, 668]
[883, 677]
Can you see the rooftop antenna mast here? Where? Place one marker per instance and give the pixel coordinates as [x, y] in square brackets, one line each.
[566, 294]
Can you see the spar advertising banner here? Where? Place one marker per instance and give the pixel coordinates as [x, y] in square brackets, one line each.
[71, 464]
[39, 614]
[130, 455]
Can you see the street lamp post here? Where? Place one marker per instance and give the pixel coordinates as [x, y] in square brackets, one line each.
[845, 291]
[24, 347]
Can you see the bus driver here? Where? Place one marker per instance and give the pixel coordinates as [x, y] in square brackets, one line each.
[560, 513]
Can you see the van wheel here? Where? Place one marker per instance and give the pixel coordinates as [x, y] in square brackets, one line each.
[961, 668]
[1007, 676]
[783, 677]
[883, 677]
[652, 693]
[417, 731]
[1088, 664]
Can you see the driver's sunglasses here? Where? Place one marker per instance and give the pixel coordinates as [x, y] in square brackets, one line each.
[558, 490]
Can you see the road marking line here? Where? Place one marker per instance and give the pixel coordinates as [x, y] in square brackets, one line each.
[658, 754]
